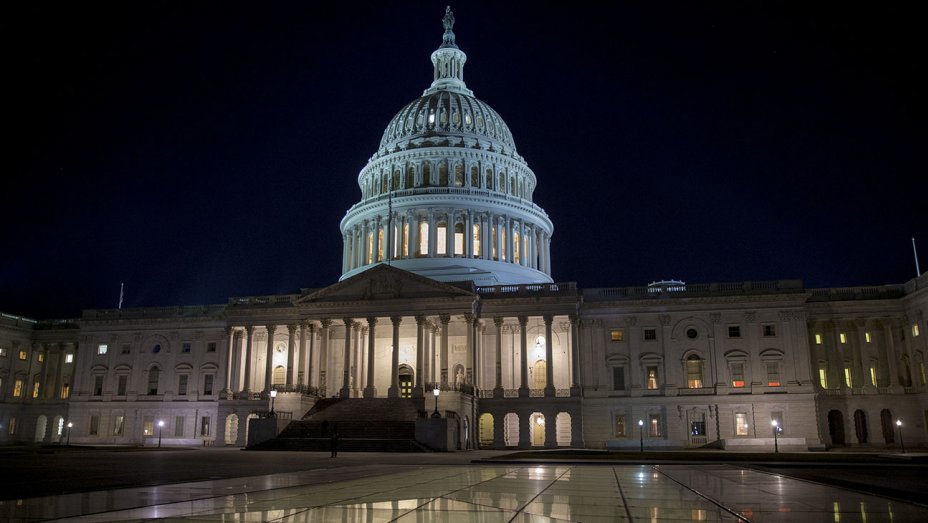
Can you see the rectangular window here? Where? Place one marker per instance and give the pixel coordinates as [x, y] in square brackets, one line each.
[654, 425]
[423, 238]
[208, 385]
[873, 376]
[842, 337]
[69, 358]
[178, 426]
[98, 385]
[693, 372]
[502, 246]
[698, 425]
[94, 425]
[204, 426]
[101, 348]
[823, 376]
[915, 330]
[23, 355]
[125, 349]
[441, 240]
[476, 233]
[211, 346]
[35, 389]
[778, 417]
[12, 428]
[39, 357]
[650, 334]
[148, 426]
[493, 241]
[18, 388]
[921, 373]
[737, 375]
[734, 331]
[847, 377]
[2, 351]
[405, 239]
[617, 335]
[119, 422]
[818, 338]
[185, 347]
[182, 385]
[769, 330]
[618, 378]
[773, 374]
[65, 391]
[651, 373]
[867, 337]
[620, 426]
[741, 424]
[121, 382]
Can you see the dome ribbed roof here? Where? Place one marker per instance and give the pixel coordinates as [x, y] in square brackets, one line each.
[447, 113]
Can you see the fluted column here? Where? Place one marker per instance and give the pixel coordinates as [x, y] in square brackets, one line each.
[549, 358]
[523, 358]
[486, 229]
[370, 391]
[324, 376]
[548, 255]
[291, 354]
[307, 364]
[413, 235]
[445, 319]
[375, 234]
[432, 233]
[269, 361]
[394, 390]
[230, 350]
[420, 354]
[346, 367]
[574, 357]
[509, 241]
[249, 341]
[468, 235]
[498, 388]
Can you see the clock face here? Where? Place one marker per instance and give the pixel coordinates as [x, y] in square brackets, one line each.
[691, 333]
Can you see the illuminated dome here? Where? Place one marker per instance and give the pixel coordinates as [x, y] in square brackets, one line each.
[446, 195]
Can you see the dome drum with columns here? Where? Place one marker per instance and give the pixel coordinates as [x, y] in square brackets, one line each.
[447, 195]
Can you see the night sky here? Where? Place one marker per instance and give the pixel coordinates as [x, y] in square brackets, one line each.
[202, 150]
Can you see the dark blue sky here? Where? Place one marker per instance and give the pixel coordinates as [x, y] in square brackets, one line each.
[201, 150]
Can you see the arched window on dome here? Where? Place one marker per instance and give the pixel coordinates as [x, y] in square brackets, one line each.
[443, 174]
[396, 180]
[489, 179]
[384, 184]
[516, 247]
[459, 175]
[512, 187]
[426, 174]
[503, 245]
[459, 239]
[370, 248]
[493, 243]
[410, 177]
[474, 176]
[380, 246]
[405, 250]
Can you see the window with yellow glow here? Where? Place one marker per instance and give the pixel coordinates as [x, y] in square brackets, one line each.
[18, 388]
[823, 377]
[867, 337]
[441, 239]
[405, 240]
[476, 234]
[693, 372]
[651, 373]
[12, 425]
[915, 331]
[380, 245]
[148, 426]
[40, 357]
[873, 376]
[773, 374]
[620, 425]
[818, 338]
[370, 248]
[65, 391]
[35, 390]
[516, 247]
[654, 424]
[847, 377]
[737, 375]
[842, 337]
[503, 245]
[23, 356]
[617, 335]
[423, 238]
[741, 424]
[494, 241]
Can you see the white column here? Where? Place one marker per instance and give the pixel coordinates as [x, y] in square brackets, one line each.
[249, 341]
[346, 387]
[369, 390]
[269, 359]
[549, 358]
[291, 354]
[230, 350]
[523, 358]
[432, 234]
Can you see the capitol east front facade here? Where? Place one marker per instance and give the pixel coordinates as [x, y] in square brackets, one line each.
[448, 328]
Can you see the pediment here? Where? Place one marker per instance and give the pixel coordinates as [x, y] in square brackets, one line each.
[385, 282]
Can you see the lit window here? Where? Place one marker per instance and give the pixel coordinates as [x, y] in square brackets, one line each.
[12, 425]
[873, 376]
[914, 330]
[847, 377]
[773, 374]
[459, 239]
[654, 425]
[2, 351]
[118, 423]
[734, 331]
[778, 417]
[476, 233]
[694, 372]
[741, 424]
[148, 426]
[40, 357]
[69, 358]
[818, 338]
[101, 348]
[737, 375]
[650, 334]
[770, 330]
[617, 335]
[431, 117]
[35, 390]
[23, 356]
[842, 337]
[441, 235]
[823, 377]
[868, 337]
[65, 391]
[18, 388]
[651, 372]
[204, 426]
[923, 379]
[423, 238]
[620, 425]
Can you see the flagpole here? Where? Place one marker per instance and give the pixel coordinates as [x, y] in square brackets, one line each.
[120, 294]
[918, 271]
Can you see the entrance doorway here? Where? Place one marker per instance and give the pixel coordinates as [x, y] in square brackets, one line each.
[537, 421]
[836, 427]
[405, 375]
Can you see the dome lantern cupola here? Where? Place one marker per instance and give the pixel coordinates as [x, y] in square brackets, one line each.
[446, 195]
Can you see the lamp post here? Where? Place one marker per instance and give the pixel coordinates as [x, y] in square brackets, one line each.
[273, 395]
[899, 424]
[69, 434]
[776, 430]
[436, 391]
[641, 434]
[160, 428]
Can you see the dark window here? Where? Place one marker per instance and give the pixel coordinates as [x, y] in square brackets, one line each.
[98, 385]
[156, 349]
[691, 333]
[185, 347]
[208, 384]
[211, 346]
[734, 331]
[770, 330]
[650, 334]
[618, 378]
[121, 385]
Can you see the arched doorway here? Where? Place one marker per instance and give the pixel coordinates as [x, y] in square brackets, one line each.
[836, 427]
[511, 429]
[563, 429]
[231, 429]
[41, 424]
[249, 418]
[537, 421]
[486, 430]
[280, 375]
[538, 375]
[405, 376]
[860, 426]
[886, 422]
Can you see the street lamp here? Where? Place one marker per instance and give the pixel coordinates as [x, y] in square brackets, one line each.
[160, 428]
[776, 430]
[436, 391]
[69, 433]
[899, 424]
[273, 395]
[641, 434]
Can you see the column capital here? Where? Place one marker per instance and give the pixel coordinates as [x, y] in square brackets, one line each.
[444, 318]
[326, 323]
[498, 321]
[574, 319]
[371, 321]
[396, 320]
[420, 319]
[250, 329]
[548, 319]
[348, 322]
[270, 328]
[523, 321]
[291, 329]
[469, 318]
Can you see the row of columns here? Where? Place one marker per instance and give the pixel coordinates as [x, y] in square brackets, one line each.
[889, 356]
[40, 372]
[549, 390]
[374, 240]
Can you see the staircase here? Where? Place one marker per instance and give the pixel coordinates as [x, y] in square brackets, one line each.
[363, 425]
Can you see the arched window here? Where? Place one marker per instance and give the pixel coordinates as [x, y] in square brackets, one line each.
[459, 239]
[441, 238]
[426, 174]
[694, 372]
[410, 177]
[516, 247]
[489, 178]
[563, 429]
[486, 430]
[474, 177]
[396, 180]
[476, 239]
[459, 175]
[537, 428]
[280, 375]
[443, 174]
[423, 238]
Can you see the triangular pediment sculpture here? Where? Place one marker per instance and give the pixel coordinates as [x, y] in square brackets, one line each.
[384, 282]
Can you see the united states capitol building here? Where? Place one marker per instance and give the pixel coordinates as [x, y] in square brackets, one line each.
[448, 307]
